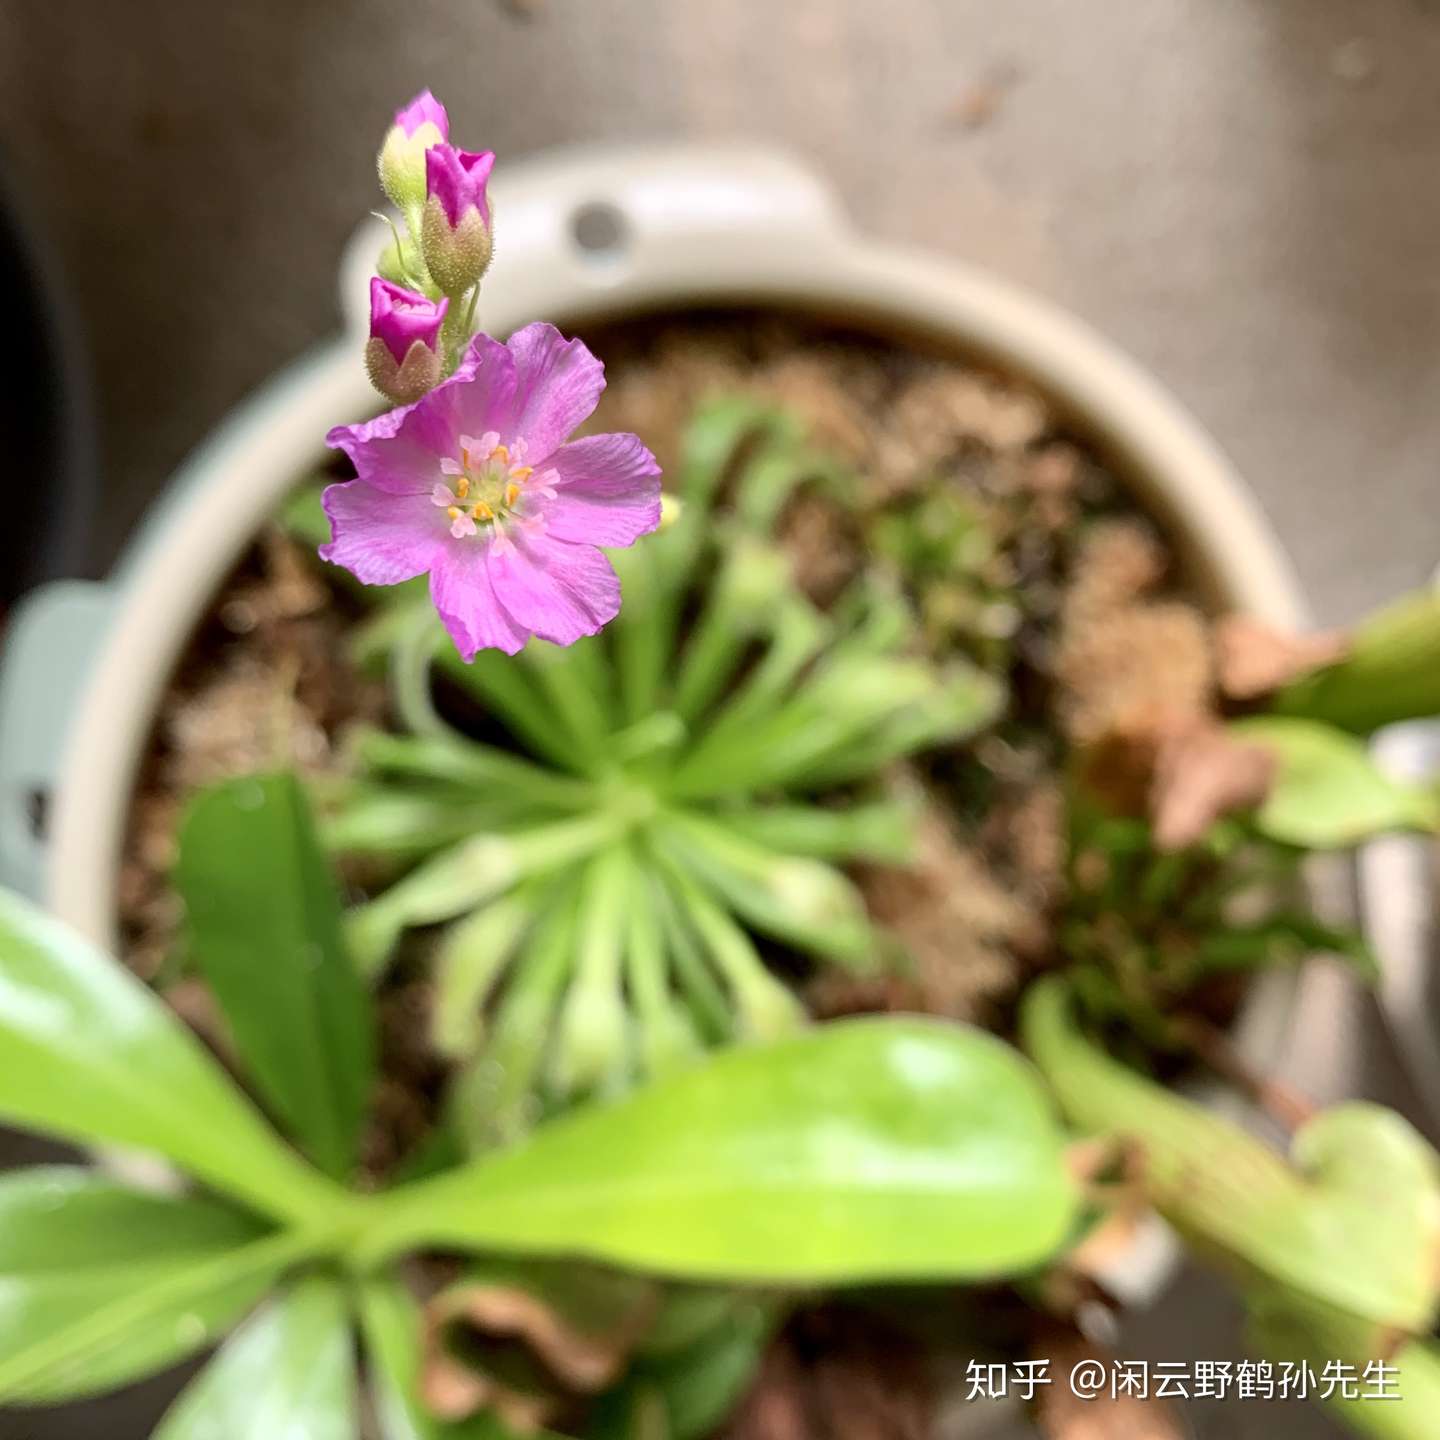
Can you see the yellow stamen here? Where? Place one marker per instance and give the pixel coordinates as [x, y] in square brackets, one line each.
[522, 472]
[453, 512]
[512, 493]
[462, 486]
[464, 457]
[482, 511]
[501, 453]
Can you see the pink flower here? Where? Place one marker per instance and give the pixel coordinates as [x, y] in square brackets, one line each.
[477, 485]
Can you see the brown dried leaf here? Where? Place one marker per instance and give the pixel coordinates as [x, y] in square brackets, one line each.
[1253, 659]
[579, 1345]
[1202, 773]
[1184, 770]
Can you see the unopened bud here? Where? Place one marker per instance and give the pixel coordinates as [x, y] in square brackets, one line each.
[403, 354]
[419, 125]
[455, 235]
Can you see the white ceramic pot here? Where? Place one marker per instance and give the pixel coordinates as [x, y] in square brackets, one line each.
[586, 233]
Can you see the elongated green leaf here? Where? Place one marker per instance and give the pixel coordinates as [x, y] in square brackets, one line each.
[494, 1099]
[860, 1150]
[1329, 791]
[592, 1039]
[88, 1053]
[74, 1335]
[265, 923]
[73, 1242]
[793, 898]
[884, 832]
[387, 822]
[1279, 940]
[466, 876]
[469, 964]
[1352, 1219]
[288, 1371]
[1399, 1402]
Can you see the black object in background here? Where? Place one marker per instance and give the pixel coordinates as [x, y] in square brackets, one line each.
[47, 418]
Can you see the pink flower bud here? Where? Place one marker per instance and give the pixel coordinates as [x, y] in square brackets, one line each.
[418, 125]
[455, 232]
[424, 109]
[403, 353]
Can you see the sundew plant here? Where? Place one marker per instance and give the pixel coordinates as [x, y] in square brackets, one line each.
[633, 768]
[617, 882]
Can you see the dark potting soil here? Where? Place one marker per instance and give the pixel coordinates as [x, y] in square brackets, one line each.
[1021, 549]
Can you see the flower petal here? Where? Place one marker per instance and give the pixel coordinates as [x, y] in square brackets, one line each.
[557, 385]
[556, 590]
[461, 590]
[607, 491]
[397, 451]
[380, 537]
[480, 395]
[401, 450]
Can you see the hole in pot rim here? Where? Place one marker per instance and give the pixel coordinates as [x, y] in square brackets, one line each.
[601, 233]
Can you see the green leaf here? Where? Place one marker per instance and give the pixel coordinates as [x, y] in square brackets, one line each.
[494, 1098]
[288, 1371]
[1392, 671]
[91, 1055]
[470, 961]
[765, 1008]
[1283, 939]
[1329, 791]
[73, 1243]
[592, 1039]
[1351, 1220]
[900, 1149]
[695, 1384]
[793, 898]
[1319, 1336]
[883, 831]
[74, 1334]
[468, 875]
[265, 924]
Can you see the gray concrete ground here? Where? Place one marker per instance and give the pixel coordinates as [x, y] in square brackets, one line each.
[1244, 193]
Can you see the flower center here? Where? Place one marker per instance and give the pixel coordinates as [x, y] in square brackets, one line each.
[486, 484]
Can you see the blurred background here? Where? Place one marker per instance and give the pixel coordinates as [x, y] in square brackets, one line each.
[1245, 194]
